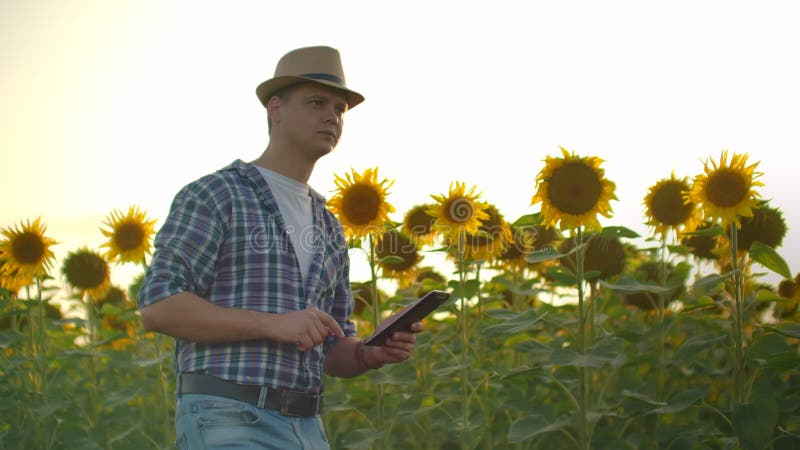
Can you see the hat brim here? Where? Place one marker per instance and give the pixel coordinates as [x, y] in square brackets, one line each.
[266, 89]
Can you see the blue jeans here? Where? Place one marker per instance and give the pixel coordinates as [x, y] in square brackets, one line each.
[211, 422]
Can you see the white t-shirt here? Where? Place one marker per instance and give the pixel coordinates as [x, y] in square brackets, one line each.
[294, 202]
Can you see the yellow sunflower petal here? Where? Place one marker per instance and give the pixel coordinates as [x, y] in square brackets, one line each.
[725, 191]
[87, 271]
[397, 255]
[492, 238]
[458, 212]
[666, 208]
[26, 250]
[129, 235]
[418, 224]
[360, 202]
[573, 190]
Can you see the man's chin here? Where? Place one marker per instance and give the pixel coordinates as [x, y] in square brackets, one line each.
[319, 152]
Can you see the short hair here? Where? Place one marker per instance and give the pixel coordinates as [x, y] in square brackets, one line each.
[283, 94]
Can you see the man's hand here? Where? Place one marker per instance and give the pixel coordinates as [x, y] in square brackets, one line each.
[307, 328]
[396, 349]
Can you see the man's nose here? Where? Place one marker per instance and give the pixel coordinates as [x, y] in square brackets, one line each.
[332, 116]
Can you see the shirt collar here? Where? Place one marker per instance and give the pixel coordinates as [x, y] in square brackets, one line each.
[250, 172]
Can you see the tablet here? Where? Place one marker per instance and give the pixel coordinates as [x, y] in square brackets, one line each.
[402, 321]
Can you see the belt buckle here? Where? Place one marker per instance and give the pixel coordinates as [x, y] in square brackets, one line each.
[289, 397]
[285, 403]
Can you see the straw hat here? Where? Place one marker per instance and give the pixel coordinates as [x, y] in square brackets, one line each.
[320, 65]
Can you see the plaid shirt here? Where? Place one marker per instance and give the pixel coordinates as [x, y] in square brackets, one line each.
[225, 241]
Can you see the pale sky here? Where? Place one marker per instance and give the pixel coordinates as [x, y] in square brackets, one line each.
[111, 103]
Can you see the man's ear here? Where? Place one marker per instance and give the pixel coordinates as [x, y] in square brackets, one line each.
[274, 109]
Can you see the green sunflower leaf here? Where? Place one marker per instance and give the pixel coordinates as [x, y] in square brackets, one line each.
[550, 253]
[619, 232]
[391, 259]
[362, 438]
[681, 401]
[787, 329]
[591, 275]
[678, 249]
[711, 231]
[561, 276]
[528, 220]
[470, 289]
[755, 422]
[531, 426]
[709, 283]
[769, 258]
[516, 324]
[628, 284]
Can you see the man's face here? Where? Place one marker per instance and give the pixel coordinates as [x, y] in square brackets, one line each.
[310, 118]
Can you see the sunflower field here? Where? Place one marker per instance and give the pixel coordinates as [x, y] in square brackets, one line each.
[560, 332]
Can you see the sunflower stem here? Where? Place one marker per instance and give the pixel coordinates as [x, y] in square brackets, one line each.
[38, 379]
[582, 371]
[738, 316]
[42, 340]
[662, 281]
[481, 350]
[464, 343]
[162, 377]
[162, 380]
[375, 322]
[90, 320]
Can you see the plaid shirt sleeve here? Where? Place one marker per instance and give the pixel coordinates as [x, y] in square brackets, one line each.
[186, 249]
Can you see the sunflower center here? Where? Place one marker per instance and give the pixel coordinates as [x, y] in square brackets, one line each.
[460, 210]
[420, 222]
[766, 226]
[28, 248]
[726, 188]
[129, 236]
[85, 270]
[398, 245]
[668, 206]
[360, 204]
[574, 188]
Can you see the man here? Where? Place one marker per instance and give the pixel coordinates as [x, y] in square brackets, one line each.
[250, 276]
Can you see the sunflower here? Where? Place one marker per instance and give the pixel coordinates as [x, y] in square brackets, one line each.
[458, 211]
[726, 191]
[418, 224]
[397, 255]
[604, 254]
[492, 237]
[11, 280]
[573, 190]
[703, 245]
[767, 226]
[26, 250]
[88, 272]
[430, 275]
[526, 238]
[362, 295]
[129, 235]
[113, 318]
[666, 209]
[521, 244]
[360, 202]
[787, 288]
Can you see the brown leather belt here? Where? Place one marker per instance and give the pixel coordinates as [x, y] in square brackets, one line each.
[289, 403]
